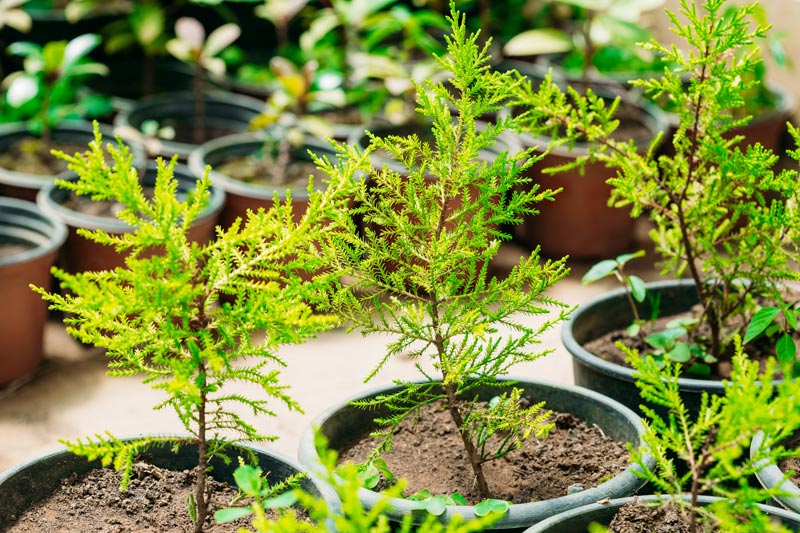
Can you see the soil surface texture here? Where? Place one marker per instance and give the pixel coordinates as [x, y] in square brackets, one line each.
[259, 171]
[606, 348]
[639, 517]
[31, 156]
[430, 455]
[154, 502]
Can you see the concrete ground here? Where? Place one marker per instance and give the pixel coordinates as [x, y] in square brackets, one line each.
[71, 397]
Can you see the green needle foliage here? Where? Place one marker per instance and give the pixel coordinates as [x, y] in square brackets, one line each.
[183, 315]
[420, 271]
[707, 453]
[722, 214]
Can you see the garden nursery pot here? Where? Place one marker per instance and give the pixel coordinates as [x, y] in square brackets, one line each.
[36, 238]
[770, 476]
[580, 223]
[81, 254]
[578, 520]
[343, 423]
[241, 196]
[26, 484]
[225, 113]
[611, 311]
[26, 185]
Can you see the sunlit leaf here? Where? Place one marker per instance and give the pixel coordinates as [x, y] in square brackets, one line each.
[599, 271]
[759, 322]
[538, 41]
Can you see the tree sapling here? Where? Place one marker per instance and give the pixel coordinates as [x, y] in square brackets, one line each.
[184, 315]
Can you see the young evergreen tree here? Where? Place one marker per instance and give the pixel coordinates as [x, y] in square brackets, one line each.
[723, 214]
[183, 315]
[432, 222]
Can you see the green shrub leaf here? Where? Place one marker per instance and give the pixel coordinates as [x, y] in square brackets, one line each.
[759, 323]
[599, 270]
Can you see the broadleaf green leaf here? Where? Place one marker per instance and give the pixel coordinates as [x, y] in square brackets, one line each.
[638, 289]
[786, 349]
[759, 323]
[599, 270]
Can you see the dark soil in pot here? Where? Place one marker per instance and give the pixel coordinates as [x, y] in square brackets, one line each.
[606, 347]
[258, 170]
[607, 316]
[251, 180]
[60, 491]
[155, 500]
[27, 164]
[32, 156]
[638, 518]
[428, 452]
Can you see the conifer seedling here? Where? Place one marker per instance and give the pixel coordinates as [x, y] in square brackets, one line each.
[421, 270]
[184, 316]
[723, 214]
[707, 452]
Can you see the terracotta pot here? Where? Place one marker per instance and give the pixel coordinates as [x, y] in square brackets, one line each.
[225, 113]
[81, 254]
[241, 196]
[579, 222]
[344, 423]
[578, 520]
[25, 185]
[769, 128]
[28, 483]
[24, 313]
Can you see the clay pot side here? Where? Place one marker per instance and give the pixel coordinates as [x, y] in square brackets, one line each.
[81, 254]
[25, 185]
[579, 222]
[24, 313]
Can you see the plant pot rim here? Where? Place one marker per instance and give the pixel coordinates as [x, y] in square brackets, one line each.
[549, 524]
[615, 370]
[167, 101]
[49, 200]
[518, 515]
[35, 182]
[505, 141]
[60, 453]
[53, 235]
[770, 475]
[199, 155]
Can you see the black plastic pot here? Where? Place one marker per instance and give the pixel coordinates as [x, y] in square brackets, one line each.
[578, 520]
[771, 476]
[24, 313]
[26, 186]
[225, 113]
[344, 423]
[81, 254]
[30, 482]
[611, 311]
[239, 195]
